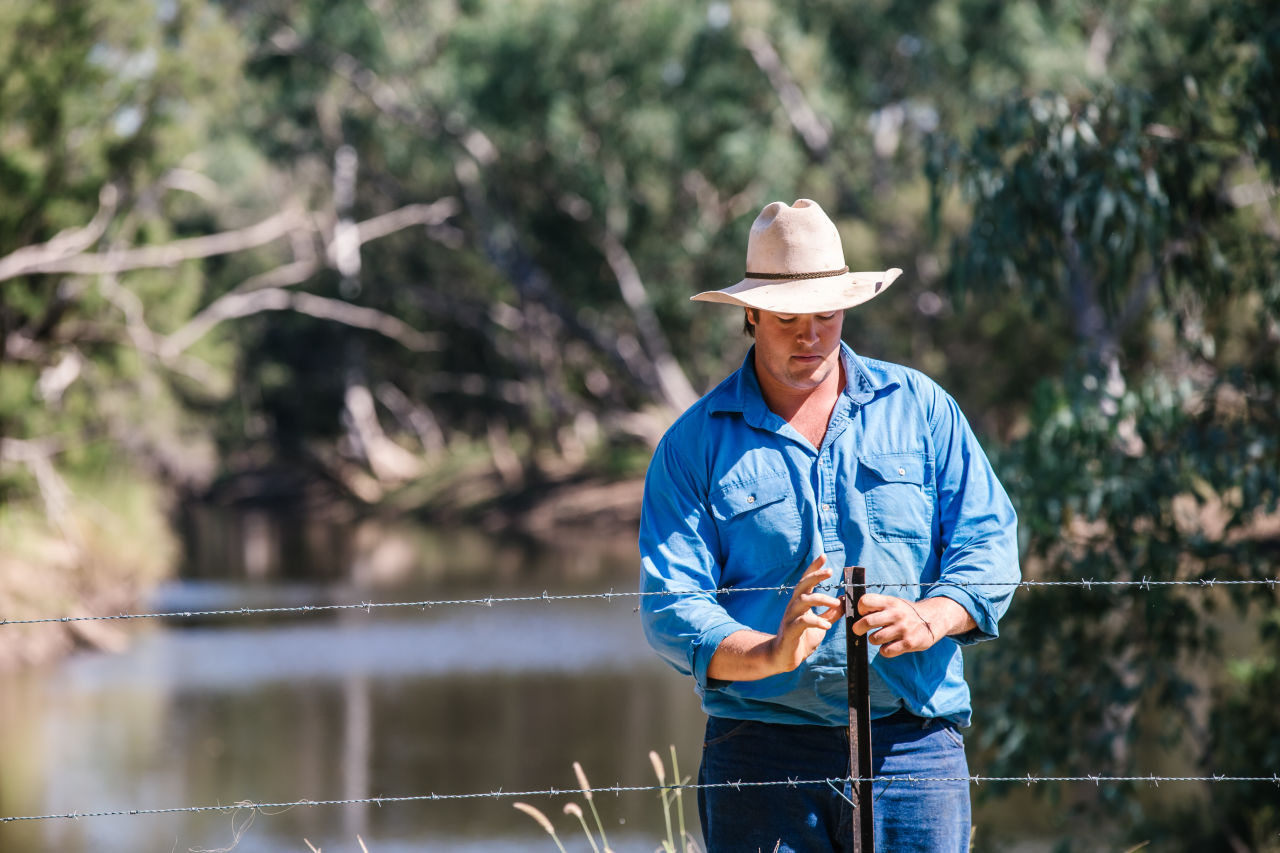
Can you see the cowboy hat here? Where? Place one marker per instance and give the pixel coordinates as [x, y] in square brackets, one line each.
[795, 265]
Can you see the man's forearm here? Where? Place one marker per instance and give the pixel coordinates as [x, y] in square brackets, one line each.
[744, 656]
[749, 655]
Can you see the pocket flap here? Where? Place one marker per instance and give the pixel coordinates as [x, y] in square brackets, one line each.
[895, 467]
[735, 499]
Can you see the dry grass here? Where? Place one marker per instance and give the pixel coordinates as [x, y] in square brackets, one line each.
[678, 839]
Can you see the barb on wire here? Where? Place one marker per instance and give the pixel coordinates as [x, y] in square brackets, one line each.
[836, 783]
[489, 601]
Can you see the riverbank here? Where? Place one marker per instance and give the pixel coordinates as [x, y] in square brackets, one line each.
[117, 539]
[105, 547]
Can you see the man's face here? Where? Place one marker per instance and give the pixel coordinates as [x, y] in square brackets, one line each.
[796, 352]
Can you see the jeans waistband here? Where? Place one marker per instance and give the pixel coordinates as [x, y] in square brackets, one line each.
[903, 716]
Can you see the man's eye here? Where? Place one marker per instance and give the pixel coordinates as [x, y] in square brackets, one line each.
[825, 317]
[786, 319]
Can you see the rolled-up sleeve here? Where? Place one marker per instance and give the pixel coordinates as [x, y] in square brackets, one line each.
[978, 528]
[679, 571]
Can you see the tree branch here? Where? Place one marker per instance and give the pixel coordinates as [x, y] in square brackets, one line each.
[435, 213]
[235, 305]
[239, 302]
[36, 455]
[389, 462]
[812, 129]
[148, 257]
[676, 389]
[64, 244]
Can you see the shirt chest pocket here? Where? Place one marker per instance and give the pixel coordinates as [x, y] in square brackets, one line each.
[899, 504]
[758, 522]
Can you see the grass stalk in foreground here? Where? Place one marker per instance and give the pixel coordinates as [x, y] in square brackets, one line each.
[542, 821]
[690, 845]
[661, 772]
[575, 810]
[586, 792]
[667, 794]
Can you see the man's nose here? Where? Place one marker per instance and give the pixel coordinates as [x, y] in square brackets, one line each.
[808, 330]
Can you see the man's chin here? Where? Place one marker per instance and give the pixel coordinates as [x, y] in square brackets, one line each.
[810, 378]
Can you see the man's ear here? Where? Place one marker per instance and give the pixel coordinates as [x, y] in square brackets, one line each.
[749, 321]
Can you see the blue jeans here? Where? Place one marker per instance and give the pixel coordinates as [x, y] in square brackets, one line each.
[929, 817]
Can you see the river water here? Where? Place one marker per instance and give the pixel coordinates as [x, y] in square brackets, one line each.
[396, 702]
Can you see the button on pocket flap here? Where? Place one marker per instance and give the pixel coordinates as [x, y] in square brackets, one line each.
[738, 498]
[895, 467]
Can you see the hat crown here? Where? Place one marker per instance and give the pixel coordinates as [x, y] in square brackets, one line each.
[799, 239]
[795, 265]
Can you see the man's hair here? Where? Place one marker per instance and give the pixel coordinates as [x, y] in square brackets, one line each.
[748, 328]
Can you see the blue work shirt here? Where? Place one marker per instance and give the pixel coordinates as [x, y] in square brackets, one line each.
[736, 497]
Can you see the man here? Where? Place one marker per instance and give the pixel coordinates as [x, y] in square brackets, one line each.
[807, 459]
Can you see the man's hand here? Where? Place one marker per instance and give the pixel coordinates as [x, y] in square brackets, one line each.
[802, 630]
[899, 626]
[751, 655]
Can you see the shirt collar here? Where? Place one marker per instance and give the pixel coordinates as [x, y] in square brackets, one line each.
[863, 381]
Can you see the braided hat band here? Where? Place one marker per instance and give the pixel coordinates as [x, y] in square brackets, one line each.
[795, 276]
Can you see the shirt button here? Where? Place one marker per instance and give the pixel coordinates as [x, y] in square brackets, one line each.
[751, 499]
[826, 507]
[902, 472]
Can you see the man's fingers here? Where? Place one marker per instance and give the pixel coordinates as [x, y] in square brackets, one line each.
[878, 619]
[813, 620]
[817, 599]
[812, 579]
[891, 650]
[881, 634]
[795, 627]
[884, 625]
[873, 601]
[807, 611]
[831, 615]
[824, 606]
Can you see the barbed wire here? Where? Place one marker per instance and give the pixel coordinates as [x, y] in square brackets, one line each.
[489, 601]
[1145, 584]
[835, 782]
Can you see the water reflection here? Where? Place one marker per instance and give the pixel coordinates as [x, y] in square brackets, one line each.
[584, 638]
[215, 716]
[449, 700]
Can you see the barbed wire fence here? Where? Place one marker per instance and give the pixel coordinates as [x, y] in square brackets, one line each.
[611, 595]
[835, 782]
[1144, 584]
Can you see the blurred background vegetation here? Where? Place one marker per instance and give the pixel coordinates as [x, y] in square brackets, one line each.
[434, 259]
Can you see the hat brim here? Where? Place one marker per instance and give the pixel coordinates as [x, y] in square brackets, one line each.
[804, 296]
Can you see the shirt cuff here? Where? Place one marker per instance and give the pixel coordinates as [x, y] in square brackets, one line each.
[978, 608]
[703, 650]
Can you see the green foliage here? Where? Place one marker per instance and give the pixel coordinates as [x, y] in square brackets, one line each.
[1244, 738]
[1136, 487]
[1154, 456]
[1062, 194]
[99, 94]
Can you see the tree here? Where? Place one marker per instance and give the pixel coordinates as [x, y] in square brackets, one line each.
[112, 225]
[1140, 212]
[99, 104]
